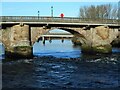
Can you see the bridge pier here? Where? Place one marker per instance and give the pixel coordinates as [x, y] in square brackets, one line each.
[19, 52]
[50, 40]
[43, 39]
[97, 40]
[105, 49]
[17, 42]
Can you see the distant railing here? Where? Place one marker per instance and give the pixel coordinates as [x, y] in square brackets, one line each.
[56, 19]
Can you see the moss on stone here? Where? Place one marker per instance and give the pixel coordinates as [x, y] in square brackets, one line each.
[20, 52]
[86, 49]
[103, 49]
[96, 49]
[23, 47]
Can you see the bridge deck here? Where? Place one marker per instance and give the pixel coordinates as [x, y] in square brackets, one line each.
[56, 19]
[60, 23]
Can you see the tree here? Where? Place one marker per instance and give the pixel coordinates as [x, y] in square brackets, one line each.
[106, 11]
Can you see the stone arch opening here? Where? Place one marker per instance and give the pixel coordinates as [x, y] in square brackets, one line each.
[72, 31]
[58, 31]
[40, 49]
[76, 34]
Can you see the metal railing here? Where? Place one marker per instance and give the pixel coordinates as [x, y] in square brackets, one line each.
[56, 19]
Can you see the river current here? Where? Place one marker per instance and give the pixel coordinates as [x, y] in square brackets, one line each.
[62, 65]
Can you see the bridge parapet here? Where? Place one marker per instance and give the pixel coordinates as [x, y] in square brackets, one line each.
[56, 19]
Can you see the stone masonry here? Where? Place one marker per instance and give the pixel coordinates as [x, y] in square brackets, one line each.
[19, 39]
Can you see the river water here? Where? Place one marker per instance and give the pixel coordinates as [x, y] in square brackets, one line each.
[62, 65]
[57, 48]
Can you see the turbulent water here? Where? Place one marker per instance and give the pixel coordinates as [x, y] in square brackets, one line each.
[67, 69]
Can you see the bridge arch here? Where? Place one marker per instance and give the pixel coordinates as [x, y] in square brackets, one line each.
[72, 31]
[76, 34]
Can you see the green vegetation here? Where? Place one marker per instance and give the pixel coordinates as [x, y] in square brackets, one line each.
[103, 49]
[23, 47]
[20, 52]
[97, 49]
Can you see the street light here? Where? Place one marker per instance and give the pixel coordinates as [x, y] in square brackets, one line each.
[38, 14]
[51, 11]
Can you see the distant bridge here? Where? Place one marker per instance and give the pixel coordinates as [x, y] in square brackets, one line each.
[51, 36]
[58, 36]
[55, 36]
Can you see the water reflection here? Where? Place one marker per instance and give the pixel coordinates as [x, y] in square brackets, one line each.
[115, 50]
[57, 48]
[64, 49]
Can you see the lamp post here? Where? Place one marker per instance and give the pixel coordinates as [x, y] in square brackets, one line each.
[51, 11]
[38, 14]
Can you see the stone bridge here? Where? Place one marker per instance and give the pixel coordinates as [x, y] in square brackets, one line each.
[19, 37]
